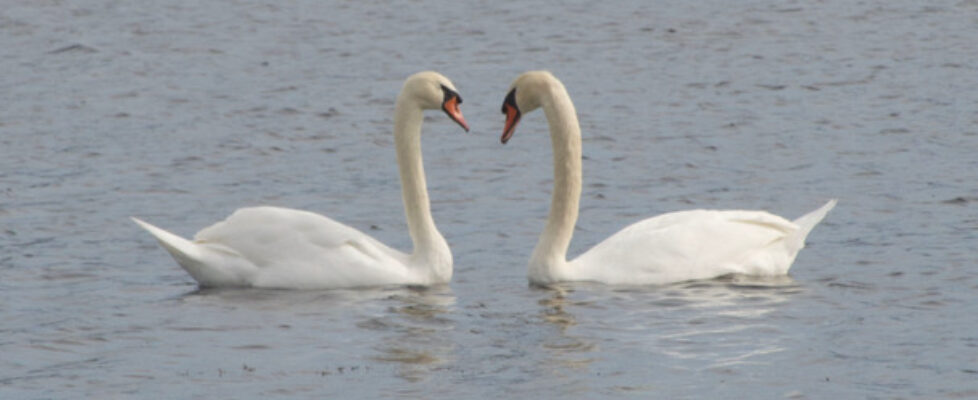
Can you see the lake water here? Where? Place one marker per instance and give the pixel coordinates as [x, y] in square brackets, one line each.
[180, 112]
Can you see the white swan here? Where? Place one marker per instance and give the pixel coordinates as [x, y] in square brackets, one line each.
[673, 247]
[276, 247]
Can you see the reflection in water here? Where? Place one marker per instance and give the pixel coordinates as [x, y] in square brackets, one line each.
[565, 350]
[406, 327]
[415, 332]
[699, 326]
[298, 302]
[720, 323]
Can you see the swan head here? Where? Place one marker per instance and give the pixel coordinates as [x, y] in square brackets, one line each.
[433, 91]
[525, 95]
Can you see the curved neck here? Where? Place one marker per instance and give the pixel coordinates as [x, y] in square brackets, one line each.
[550, 253]
[429, 245]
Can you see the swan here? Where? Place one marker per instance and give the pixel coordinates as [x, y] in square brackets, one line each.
[672, 247]
[273, 247]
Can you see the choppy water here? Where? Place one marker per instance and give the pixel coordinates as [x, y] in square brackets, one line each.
[181, 111]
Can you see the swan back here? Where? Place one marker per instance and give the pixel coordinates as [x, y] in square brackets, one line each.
[697, 244]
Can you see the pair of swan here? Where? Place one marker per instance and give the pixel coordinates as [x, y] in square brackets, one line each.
[276, 247]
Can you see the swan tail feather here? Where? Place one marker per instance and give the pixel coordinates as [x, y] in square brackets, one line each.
[192, 257]
[807, 222]
[176, 245]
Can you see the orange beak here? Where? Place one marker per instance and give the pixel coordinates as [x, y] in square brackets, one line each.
[512, 118]
[451, 108]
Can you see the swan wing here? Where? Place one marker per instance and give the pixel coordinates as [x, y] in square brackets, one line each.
[688, 245]
[300, 249]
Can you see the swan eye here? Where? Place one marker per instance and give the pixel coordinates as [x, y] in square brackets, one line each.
[510, 101]
[449, 94]
[512, 113]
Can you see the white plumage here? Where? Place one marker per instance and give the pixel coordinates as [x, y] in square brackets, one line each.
[275, 247]
[672, 247]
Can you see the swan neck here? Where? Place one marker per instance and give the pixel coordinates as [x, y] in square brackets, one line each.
[565, 135]
[429, 245]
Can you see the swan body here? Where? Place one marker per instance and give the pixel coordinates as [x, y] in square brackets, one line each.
[274, 247]
[672, 247]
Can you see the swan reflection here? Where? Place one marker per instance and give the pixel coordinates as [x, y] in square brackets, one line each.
[696, 325]
[564, 349]
[415, 332]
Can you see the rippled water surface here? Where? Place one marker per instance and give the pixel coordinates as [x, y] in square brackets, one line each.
[181, 111]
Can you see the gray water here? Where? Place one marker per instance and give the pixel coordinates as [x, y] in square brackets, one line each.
[181, 111]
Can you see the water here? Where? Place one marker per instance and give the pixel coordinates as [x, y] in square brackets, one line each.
[181, 112]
